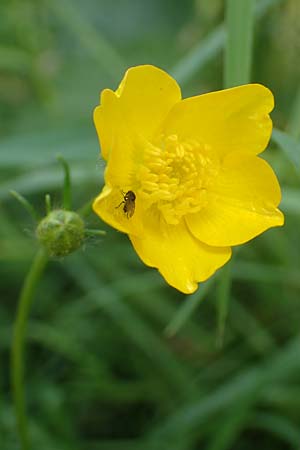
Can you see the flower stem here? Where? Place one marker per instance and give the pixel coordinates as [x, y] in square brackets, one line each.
[17, 356]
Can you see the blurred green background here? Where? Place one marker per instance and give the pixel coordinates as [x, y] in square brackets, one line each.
[116, 359]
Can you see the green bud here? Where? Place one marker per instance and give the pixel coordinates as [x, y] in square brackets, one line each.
[61, 232]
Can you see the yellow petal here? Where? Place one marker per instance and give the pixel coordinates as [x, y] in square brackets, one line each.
[124, 160]
[140, 104]
[230, 120]
[181, 259]
[109, 207]
[106, 118]
[241, 203]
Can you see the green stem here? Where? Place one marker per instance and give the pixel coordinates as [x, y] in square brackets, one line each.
[17, 356]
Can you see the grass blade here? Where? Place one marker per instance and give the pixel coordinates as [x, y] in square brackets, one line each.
[209, 47]
[238, 49]
[250, 382]
[293, 126]
[132, 325]
[223, 296]
[90, 38]
[279, 425]
[187, 309]
[289, 145]
[231, 426]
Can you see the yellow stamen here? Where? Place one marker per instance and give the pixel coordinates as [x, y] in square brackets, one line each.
[175, 175]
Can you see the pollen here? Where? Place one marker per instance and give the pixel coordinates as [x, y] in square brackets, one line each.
[175, 176]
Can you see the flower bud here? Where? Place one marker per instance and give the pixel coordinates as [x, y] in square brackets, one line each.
[61, 232]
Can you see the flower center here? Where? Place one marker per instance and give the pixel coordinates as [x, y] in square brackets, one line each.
[175, 175]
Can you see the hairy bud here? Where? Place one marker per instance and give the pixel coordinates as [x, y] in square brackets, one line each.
[61, 232]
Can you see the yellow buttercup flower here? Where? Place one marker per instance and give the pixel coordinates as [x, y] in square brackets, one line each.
[183, 178]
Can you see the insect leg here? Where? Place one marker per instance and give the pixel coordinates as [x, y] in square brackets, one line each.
[122, 203]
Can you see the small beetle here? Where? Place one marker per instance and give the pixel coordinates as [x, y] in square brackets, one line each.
[128, 202]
